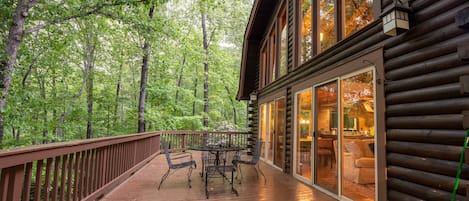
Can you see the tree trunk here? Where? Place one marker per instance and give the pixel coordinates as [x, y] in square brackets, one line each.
[232, 104]
[89, 62]
[179, 79]
[54, 98]
[205, 43]
[195, 89]
[42, 88]
[143, 80]
[12, 44]
[118, 89]
[89, 57]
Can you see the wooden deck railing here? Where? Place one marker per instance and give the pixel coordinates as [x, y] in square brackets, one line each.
[88, 169]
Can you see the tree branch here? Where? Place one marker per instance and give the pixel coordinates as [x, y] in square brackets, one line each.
[94, 11]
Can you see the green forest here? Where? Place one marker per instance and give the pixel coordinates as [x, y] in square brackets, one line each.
[80, 69]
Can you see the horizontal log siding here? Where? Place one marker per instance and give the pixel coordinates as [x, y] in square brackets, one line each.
[424, 105]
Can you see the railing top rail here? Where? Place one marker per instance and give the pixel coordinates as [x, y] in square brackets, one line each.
[18, 156]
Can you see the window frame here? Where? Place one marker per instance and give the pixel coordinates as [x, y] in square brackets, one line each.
[269, 72]
[339, 28]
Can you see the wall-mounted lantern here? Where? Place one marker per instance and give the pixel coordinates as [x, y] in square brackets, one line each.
[253, 96]
[396, 18]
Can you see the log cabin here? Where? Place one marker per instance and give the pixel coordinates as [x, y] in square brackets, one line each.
[361, 99]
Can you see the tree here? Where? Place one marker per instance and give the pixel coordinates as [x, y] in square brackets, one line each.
[143, 79]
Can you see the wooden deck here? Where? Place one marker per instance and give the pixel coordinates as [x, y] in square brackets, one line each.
[142, 186]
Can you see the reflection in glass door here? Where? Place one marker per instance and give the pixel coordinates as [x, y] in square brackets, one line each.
[358, 160]
[325, 169]
[279, 132]
[304, 133]
[269, 141]
[263, 128]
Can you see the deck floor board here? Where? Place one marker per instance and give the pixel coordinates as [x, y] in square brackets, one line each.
[142, 186]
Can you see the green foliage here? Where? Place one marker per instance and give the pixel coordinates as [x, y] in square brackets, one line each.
[50, 69]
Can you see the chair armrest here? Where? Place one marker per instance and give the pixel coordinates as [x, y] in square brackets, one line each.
[365, 162]
[176, 156]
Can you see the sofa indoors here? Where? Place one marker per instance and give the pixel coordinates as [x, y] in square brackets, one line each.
[359, 161]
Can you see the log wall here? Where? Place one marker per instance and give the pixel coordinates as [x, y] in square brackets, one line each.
[424, 105]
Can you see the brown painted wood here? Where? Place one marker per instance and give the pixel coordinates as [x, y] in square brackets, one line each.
[70, 166]
[15, 182]
[76, 172]
[47, 184]
[279, 187]
[398, 196]
[427, 80]
[63, 176]
[446, 91]
[447, 106]
[428, 136]
[39, 166]
[450, 121]
[443, 152]
[421, 191]
[80, 174]
[441, 167]
[27, 181]
[55, 184]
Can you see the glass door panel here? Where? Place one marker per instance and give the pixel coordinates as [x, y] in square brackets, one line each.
[263, 128]
[279, 139]
[357, 105]
[270, 139]
[304, 132]
[326, 122]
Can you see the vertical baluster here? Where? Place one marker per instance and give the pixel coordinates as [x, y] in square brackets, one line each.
[87, 179]
[70, 175]
[94, 171]
[47, 179]
[76, 171]
[63, 176]
[39, 165]
[27, 181]
[13, 180]
[55, 184]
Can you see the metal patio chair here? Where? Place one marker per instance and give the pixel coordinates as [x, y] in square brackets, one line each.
[214, 168]
[170, 157]
[253, 161]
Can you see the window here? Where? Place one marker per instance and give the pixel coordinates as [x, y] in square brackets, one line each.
[306, 39]
[264, 68]
[332, 26]
[273, 56]
[327, 36]
[358, 13]
[274, 53]
[283, 43]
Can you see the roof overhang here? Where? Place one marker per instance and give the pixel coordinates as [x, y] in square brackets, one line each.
[256, 28]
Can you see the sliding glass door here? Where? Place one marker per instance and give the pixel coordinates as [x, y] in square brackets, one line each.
[335, 135]
[272, 131]
[326, 102]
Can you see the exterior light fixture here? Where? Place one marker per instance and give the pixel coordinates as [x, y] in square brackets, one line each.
[253, 96]
[396, 18]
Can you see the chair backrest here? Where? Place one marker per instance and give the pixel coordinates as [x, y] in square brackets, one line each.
[166, 152]
[257, 152]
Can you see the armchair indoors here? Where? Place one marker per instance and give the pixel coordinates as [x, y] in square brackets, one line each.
[183, 160]
[359, 162]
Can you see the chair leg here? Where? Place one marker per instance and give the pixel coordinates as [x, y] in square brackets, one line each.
[259, 168]
[233, 190]
[206, 184]
[163, 178]
[189, 176]
[240, 172]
